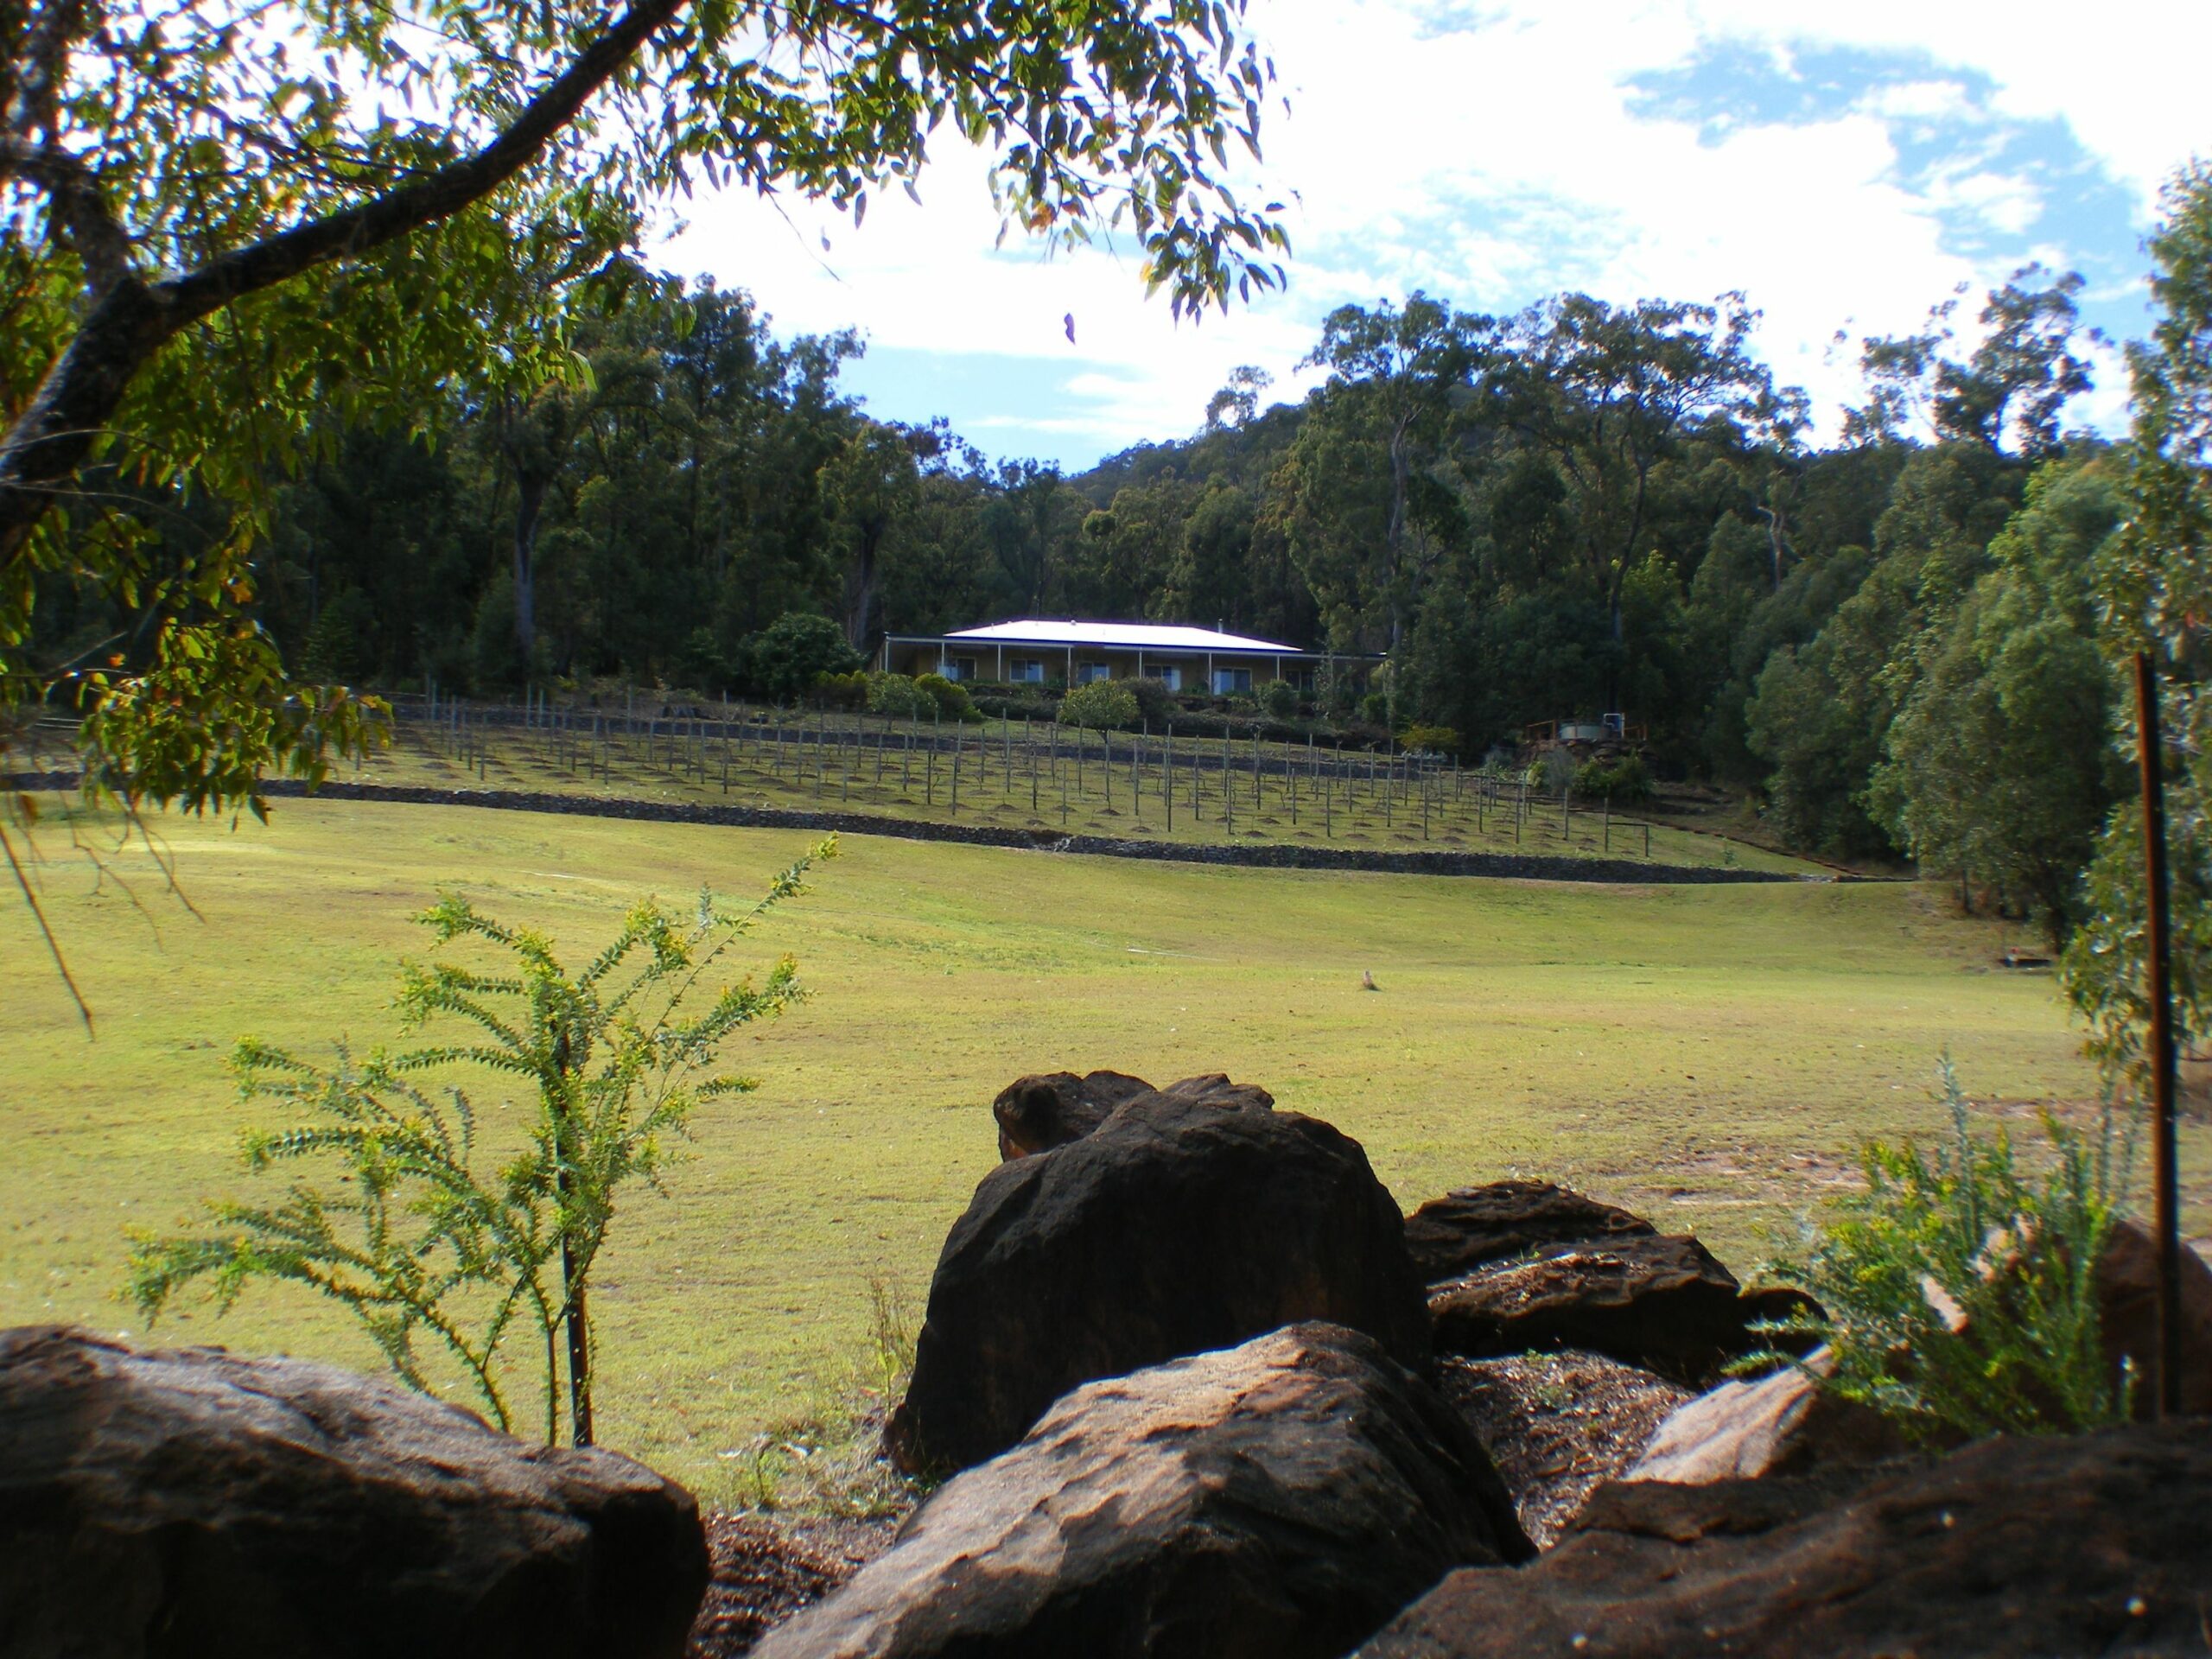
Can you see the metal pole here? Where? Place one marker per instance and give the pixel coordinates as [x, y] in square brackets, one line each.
[2164, 1184]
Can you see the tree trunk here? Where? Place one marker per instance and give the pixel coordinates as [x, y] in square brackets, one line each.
[579, 1331]
[529, 504]
[860, 583]
[574, 1318]
[1394, 533]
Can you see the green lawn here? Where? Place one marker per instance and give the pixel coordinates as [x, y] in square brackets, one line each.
[1708, 1055]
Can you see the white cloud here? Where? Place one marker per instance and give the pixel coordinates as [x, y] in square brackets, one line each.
[1492, 162]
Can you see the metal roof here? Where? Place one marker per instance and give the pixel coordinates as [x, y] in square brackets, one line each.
[1145, 636]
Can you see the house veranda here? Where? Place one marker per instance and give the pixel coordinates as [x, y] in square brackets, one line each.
[1036, 651]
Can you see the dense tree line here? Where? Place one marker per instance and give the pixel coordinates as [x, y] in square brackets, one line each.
[1577, 509]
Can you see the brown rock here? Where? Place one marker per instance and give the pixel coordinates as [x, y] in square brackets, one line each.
[1661, 1302]
[189, 1502]
[2127, 1280]
[2099, 1544]
[1190, 1219]
[1214, 1089]
[1053, 1107]
[1278, 1500]
[1779, 1425]
[1465, 1229]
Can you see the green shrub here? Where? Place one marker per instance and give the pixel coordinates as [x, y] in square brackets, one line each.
[841, 691]
[1551, 771]
[784, 659]
[899, 695]
[1017, 707]
[1625, 778]
[1279, 698]
[1156, 704]
[950, 698]
[1101, 705]
[1959, 1290]
[1432, 740]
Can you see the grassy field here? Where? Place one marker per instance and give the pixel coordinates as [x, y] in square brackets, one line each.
[1709, 1056]
[1019, 777]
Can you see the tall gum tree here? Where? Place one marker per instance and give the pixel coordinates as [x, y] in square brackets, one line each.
[1609, 393]
[1392, 373]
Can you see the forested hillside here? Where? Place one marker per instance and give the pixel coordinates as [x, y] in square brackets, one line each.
[1577, 509]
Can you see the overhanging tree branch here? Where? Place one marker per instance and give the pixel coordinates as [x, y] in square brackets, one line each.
[78, 207]
[131, 318]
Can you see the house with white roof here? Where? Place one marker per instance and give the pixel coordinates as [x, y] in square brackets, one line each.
[1036, 651]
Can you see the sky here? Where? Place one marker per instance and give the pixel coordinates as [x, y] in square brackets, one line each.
[1846, 166]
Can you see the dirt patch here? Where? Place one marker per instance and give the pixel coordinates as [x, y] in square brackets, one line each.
[766, 1568]
[1558, 1424]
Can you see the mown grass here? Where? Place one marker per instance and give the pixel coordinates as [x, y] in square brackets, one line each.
[1710, 1056]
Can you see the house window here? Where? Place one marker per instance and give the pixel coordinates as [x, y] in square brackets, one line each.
[1026, 671]
[1228, 681]
[959, 668]
[1301, 679]
[1170, 677]
[1086, 672]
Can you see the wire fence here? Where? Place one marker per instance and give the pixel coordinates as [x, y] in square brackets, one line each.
[1028, 773]
[1023, 774]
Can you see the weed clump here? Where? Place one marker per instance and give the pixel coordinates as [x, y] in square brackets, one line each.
[827, 1458]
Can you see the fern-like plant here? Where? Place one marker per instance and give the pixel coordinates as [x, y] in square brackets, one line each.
[1959, 1290]
[416, 1239]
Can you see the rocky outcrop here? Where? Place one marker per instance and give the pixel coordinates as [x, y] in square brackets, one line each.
[2127, 1314]
[1779, 1425]
[1662, 1302]
[1278, 1500]
[2101, 1543]
[1188, 1220]
[1475, 1225]
[1038, 1113]
[188, 1502]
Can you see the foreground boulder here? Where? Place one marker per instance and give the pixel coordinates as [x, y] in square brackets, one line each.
[2092, 1545]
[2127, 1316]
[188, 1502]
[1779, 1425]
[1279, 1500]
[1662, 1302]
[1190, 1219]
[1468, 1229]
[1036, 1114]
